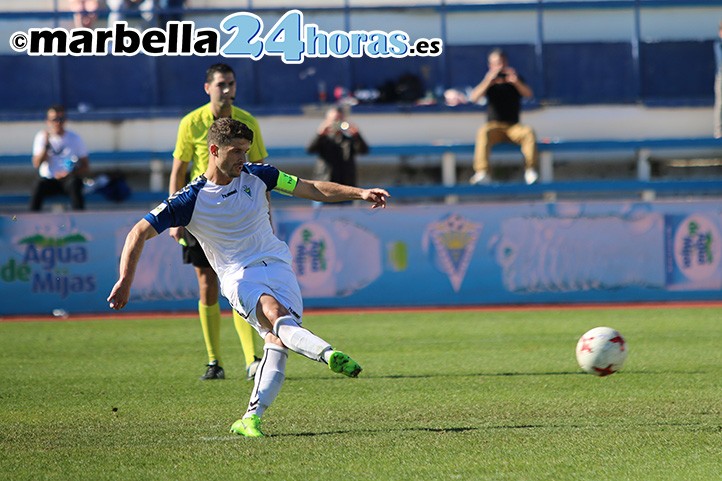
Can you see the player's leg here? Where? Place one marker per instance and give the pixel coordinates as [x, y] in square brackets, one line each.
[300, 340]
[246, 335]
[277, 318]
[209, 312]
[268, 292]
[271, 372]
[283, 313]
[267, 384]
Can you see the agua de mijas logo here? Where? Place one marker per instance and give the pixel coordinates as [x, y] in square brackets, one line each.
[313, 254]
[697, 247]
[48, 263]
[289, 38]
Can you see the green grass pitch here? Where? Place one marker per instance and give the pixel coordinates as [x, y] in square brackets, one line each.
[479, 395]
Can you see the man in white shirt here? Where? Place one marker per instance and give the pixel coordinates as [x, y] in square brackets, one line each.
[226, 209]
[62, 161]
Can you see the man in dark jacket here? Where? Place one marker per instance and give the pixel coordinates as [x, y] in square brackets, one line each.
[337, 142]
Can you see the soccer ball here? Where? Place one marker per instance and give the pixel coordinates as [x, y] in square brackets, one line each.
[601, 351]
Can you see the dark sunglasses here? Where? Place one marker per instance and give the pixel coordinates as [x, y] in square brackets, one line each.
[57, 119]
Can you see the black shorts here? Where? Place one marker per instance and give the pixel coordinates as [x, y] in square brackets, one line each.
[193, 253]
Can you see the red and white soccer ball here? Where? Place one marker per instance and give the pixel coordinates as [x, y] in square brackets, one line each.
[601, 351]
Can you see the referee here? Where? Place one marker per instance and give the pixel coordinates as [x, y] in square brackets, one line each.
[191, 150]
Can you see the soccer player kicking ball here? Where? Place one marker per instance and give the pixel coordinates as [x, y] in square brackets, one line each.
[226, 209]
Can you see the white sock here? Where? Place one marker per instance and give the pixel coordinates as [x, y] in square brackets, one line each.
[327, 354]
[299, 339]
[269, 378]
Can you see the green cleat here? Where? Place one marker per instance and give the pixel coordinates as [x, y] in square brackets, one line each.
[249, 427]
[343, 364]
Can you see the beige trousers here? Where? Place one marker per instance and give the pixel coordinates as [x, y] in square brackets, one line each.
[718, 105]
[493, 133]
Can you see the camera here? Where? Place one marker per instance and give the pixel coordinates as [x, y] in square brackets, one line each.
[343, 128]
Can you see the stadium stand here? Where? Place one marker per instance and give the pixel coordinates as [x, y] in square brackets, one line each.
[587, 68]
[153, 164]
[626, 58]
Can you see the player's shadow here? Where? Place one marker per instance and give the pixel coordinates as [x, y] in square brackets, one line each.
[473, 374]
[454, 430]
[626, 372]
[466, 429]
[365, 375]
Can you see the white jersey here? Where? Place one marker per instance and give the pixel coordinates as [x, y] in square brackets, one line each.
[63, 151]
[231, 222]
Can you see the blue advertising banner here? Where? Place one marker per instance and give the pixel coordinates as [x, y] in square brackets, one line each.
[406, 255]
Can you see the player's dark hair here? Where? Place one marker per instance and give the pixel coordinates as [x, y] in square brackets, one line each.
[223, 131]
[221, 68]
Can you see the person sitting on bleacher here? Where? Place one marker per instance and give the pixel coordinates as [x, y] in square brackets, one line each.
[62, 161]
[504, 90]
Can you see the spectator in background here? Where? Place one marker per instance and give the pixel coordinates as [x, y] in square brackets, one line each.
[503, 89]
[718, 84]
[336, 143]
[192, 149]
[62, 161]
[86, 12]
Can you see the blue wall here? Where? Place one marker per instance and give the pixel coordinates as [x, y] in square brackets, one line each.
[590, 52]
[673, 72]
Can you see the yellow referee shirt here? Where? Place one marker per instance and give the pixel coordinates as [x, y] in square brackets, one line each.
[192, 144]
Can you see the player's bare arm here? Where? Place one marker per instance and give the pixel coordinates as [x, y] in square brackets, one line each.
[176, 183]
[323, 191]
[480, 90]
[133, 248]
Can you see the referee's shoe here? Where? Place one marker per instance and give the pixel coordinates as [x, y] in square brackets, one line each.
[214, 371]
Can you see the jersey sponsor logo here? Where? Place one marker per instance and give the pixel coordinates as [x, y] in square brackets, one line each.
[225, 196]
[158, 209]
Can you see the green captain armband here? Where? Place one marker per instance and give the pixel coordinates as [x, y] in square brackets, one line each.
[286, 183]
